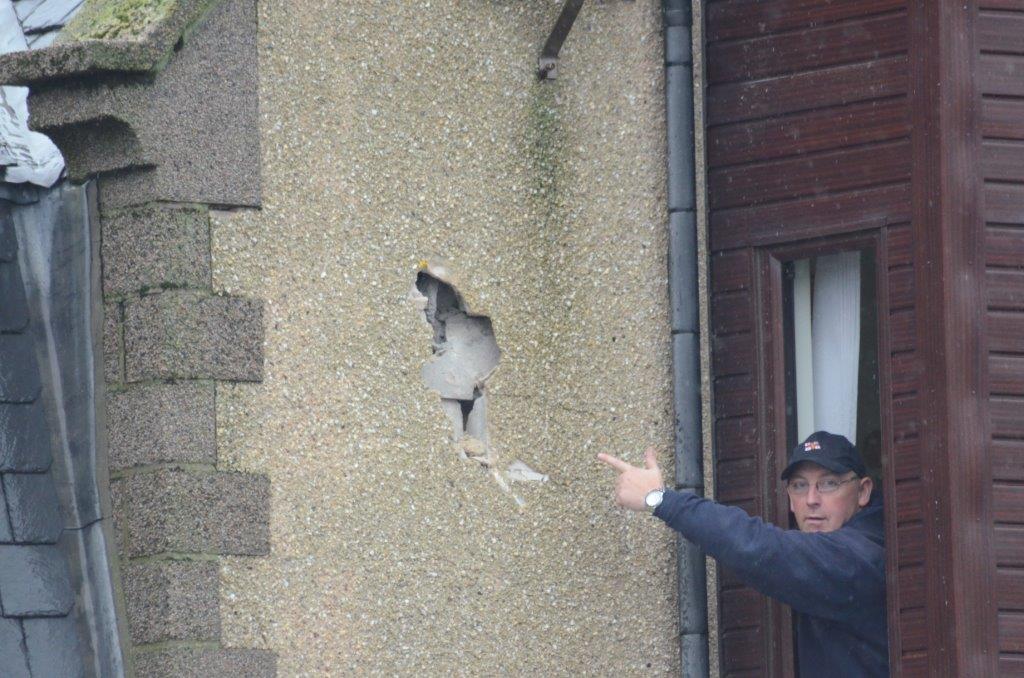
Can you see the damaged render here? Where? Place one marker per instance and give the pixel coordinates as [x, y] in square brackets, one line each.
[465, 356]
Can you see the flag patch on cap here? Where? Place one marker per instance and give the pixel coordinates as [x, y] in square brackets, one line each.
[812, 445]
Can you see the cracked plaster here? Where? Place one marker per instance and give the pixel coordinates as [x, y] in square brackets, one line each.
[427, 135]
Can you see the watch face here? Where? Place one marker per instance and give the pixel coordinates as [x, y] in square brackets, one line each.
[654, 497]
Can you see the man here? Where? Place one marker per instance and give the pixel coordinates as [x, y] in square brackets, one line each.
[831, 571]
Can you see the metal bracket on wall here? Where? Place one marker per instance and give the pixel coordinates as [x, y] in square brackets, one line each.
[547, 64]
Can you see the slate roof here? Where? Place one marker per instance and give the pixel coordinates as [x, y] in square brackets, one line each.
[41, 20]
[39, 634]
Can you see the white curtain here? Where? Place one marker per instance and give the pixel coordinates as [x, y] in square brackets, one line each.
[835, 327]
[803, 348]
[834, 345]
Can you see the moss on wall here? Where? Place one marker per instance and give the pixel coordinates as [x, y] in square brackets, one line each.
[545, 147]
[551, 186]
[115, 19]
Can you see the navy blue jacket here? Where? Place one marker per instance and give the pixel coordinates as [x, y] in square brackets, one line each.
[834, 581]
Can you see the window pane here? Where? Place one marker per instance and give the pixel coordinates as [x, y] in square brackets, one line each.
[832, 350]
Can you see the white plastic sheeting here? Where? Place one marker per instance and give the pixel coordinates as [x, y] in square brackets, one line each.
[25, 156]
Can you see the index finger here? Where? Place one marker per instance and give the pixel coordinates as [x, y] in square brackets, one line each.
[614, 462]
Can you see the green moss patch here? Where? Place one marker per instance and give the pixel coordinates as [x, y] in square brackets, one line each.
[115, 19]
[545, 150]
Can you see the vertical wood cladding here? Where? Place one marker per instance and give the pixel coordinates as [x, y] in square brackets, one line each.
[824, 118]
[1000, 39]
[808, 134]
[906, 543]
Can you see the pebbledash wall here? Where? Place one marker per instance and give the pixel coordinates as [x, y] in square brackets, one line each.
[287, 492]
[402, 135]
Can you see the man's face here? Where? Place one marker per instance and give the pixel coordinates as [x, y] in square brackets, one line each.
[817, 512]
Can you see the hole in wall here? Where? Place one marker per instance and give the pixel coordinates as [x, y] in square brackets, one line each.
[465, 355]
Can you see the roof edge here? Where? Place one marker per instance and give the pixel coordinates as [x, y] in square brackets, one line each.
[78, 58]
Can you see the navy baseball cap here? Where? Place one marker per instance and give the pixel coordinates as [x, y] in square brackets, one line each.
[828, 450]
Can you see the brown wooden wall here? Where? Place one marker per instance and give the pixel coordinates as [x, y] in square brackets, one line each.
[808, 135]
[1000, 41]
[825, 120]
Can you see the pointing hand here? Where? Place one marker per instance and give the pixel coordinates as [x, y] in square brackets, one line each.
[633, 483]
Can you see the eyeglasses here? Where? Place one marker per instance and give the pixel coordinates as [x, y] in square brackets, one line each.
[801, 487]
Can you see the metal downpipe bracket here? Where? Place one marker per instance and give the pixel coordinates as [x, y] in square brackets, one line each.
[547, 64]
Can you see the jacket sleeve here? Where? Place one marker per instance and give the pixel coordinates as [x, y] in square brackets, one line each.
[836, 575]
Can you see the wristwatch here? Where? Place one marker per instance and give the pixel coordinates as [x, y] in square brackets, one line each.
[654, 497]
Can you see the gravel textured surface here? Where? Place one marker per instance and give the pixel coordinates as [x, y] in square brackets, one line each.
[395, 134]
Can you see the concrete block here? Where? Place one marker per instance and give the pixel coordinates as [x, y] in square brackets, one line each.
[91, 44]
[25, 440]
[100, 147]
[174, 600]
[154, 246]
[12, 650]
[159, 423]
[195, 663]
[35, 581]
[117, 526]
[34, 507]
[113, 344]
[175, 511]
[194, 127]
[188, 335]
[55, 647]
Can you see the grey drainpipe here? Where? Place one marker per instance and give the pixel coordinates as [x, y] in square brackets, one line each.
[693, 615]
